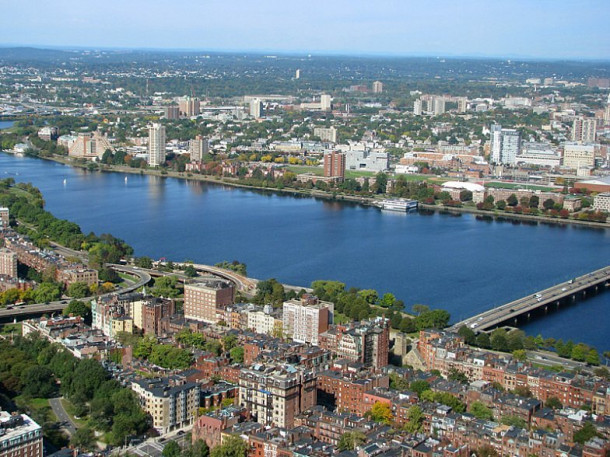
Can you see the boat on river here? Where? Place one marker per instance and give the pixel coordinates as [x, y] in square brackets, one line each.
[400, 205]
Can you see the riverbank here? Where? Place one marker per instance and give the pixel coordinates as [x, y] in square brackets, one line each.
[331, 196]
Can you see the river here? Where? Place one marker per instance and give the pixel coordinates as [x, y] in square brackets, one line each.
[457, 263]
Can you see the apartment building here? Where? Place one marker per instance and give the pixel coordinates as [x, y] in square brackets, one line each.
[172, 402]
[274, 395]
[20, 436]
[306, 318]
[8, 263]
[203, 297]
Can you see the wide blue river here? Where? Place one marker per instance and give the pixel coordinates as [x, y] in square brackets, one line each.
[457, 263]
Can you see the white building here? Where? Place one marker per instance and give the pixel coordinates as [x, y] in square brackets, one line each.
[602, 202]
[256, 108]
[262, 320]
[577, 155]
[541, 154]
[305, 319]
[377, 87]
[505, 145]
[325, 102]
[156, 145]
[439, 106]
[326, 134]
[417, 107]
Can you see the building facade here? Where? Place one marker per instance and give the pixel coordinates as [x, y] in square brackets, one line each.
[172, 403]
[505, 145]
[274, 395]
[334, 165]
[202, 298]
[20, 436]
[198, 147]
[305, 319]
[156, 145]
[8, 263]
[577, 155]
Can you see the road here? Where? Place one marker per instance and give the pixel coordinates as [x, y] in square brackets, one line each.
[57, 306]
[62, 416]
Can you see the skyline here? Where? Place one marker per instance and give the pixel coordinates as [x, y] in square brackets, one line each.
[544, 30]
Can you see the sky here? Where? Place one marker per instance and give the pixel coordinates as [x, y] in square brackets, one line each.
[572, 29]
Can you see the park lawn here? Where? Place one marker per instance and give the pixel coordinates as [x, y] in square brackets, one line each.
[38, 407]
[7, 329]
[359, 174]
[510, 185]
[70, 410]
[298, 169]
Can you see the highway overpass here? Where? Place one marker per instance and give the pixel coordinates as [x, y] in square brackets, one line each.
[38, 309]
[546, 300]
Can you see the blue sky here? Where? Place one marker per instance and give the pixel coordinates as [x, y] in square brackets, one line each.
[575, 29]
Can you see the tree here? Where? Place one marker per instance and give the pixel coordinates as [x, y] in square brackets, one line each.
[351, 440]
[381, 412]
[520, 355]
[78, 308]
[381, 182]
[47, 292]
[483, 340]
[190, 271]
[237, 354]
[397, 382]
[480, 411]
[171, 449]
[486, 451]
[387, 300]
[418, 309]
[83, 438]
[369, 295]
[465, 196]
[592, 357]
[415, 418]
[501, 205]
[198, 449]
[512, 200]
[38, 381]
[455, 375]
[143, 262]
[468, 335]
[549, 203]
[587, 432]
[514, 421]
[233, 446]
[534, 201]
[498, 340]
[419, 386]
[553, 403]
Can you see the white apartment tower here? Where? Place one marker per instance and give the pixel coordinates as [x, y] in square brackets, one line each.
[439, 106]
[305, 319]
[156, 145]
[256, 108]
[505, 145]
[417, 107]
[377, 87]
[462, 104]
[325, 102]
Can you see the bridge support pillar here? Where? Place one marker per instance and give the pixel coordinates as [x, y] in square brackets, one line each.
[528, 316]
[546, 309]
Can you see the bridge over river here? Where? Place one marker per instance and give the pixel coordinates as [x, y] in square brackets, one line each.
[546, 300]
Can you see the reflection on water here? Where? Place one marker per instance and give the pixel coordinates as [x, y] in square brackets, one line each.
[298, 239]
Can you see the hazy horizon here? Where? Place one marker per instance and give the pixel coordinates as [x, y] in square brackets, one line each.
[524, 29]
